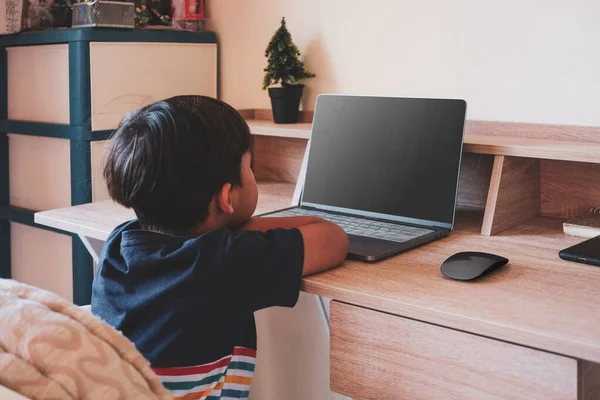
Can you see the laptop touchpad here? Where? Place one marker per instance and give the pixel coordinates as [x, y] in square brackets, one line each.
[370, 248]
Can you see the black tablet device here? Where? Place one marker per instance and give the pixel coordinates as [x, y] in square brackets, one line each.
[587, 252]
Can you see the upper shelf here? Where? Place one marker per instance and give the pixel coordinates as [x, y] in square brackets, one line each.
[270, 128]
[543, 148]
[547, 149]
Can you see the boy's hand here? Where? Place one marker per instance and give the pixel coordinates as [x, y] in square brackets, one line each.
[325, 246]
[325, 243]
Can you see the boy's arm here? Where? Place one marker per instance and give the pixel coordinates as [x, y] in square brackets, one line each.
[264, 224]
[325, 243]
[325, 246]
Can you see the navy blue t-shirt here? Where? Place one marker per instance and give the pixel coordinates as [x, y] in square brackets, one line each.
[188, 302]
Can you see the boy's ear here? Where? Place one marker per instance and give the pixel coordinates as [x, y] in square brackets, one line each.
[224, 200]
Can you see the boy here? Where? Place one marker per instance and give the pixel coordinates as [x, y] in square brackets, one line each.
[183, 280]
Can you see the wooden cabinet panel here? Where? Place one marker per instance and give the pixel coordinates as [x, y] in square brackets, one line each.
[381, 356]
[277, 158]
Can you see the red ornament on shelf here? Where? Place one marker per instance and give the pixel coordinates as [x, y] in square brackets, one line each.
[194, 10]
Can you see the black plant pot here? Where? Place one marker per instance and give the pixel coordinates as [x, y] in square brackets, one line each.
[285, 102]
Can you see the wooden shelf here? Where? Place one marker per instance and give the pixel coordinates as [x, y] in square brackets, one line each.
[514, 178]
[549, 149]
[269, 128]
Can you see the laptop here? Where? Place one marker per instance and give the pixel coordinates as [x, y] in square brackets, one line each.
[385, 169]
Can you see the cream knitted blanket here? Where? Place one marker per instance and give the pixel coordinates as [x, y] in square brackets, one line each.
[51, 349]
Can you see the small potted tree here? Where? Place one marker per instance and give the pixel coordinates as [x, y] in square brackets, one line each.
[286, 69]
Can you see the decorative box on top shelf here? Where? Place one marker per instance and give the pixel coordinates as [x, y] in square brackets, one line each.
[11, 14]
[104, 14]
[585, 225]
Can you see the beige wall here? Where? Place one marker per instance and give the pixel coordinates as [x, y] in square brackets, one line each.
[515, 60]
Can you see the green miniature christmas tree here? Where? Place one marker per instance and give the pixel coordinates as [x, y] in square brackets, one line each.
[284, 66]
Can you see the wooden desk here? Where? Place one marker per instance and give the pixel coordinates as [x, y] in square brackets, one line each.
[97, 220]
[534, 319]
[400, 330]
[93, 222]
[537, 302]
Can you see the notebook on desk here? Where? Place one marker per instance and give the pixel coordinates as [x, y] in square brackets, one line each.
[385, 169]
[585, 225]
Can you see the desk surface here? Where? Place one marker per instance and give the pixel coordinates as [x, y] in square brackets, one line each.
[97, 220]
[537, 300]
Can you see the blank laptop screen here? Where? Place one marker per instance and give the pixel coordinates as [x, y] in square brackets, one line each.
[393, 156]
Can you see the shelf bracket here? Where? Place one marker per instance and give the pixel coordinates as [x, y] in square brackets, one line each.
[514, 194]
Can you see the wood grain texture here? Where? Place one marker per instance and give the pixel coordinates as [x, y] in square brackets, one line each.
[277, 158]
[474, 182]
[493, 128]
[269, 128]
[589, 380]
[569, 188]
[514, 194]
[380, 356]
[97, 220]
[266, 114]
[530, 142]
[537, 300]
[247, 113]
[534, 131]
[549, 149]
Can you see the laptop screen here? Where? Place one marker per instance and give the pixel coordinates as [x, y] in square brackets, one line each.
[386, 157]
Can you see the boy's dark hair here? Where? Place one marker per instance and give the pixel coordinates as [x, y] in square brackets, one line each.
[169, 159]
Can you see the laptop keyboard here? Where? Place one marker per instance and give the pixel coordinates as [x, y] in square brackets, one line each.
[360, 226]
